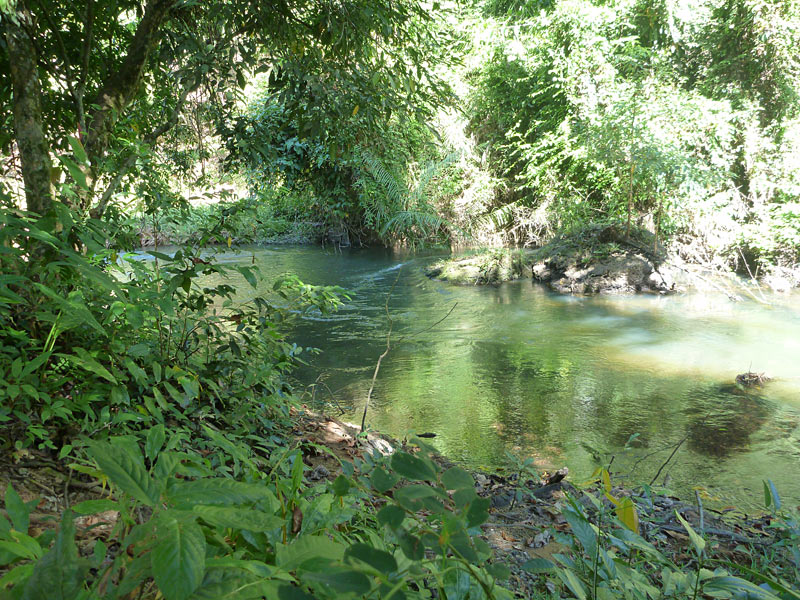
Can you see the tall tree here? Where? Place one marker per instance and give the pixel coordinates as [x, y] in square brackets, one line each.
[118, 73]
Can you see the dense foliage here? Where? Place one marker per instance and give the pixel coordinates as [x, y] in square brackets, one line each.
[145, 372]
[680, 116]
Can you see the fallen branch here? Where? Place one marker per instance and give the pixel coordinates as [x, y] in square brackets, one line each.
[389, 345]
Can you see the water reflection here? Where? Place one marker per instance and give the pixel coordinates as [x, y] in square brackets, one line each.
[723, 418]
[564, 380]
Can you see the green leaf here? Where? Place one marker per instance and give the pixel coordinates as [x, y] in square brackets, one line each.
[31, 366]
[21, 550]
[737, 587]
[178, 556]
[457, 479]
[77, 149]
[382, 481]
[499, 571]
[463, 497]
[58, 575]
[238, 518]
[411, 467]
[232, 583]
[626, 513]
[77, 174]
[698, 542]
[380, 560]
[92, 507]
[165, 465]
[247, 273]
[391, 515]
[86, 361]
[220, 492]
[138, 373]
[125, 471]
[478, 512]
[305, 548]
[160, 255]
[17, 510]
[16, 576]
[573, 583]
[155, 441]
[411, 545]
[341, 486]
[773, 492]
[582, 529]
[339, 580]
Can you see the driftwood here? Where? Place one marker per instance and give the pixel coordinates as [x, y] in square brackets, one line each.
[751, 379]
[712, 531]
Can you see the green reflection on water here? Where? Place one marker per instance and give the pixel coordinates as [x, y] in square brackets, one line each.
[515, 368]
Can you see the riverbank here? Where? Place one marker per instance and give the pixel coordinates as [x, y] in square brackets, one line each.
[540, 530]
[534, 519]
[605, 260]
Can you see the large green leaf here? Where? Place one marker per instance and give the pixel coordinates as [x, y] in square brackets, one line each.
[738, 588]
[338, 580]
[382, 481]
[305, 548]
[86, 361]
[238, 518]
[154, 441]
[234, 584]
[391, 515]
[697, 541]
[59, 574]
[411, 467]
[379, 560]
[582, 529]
[220, 492]
[573, 583]
[178, 556]
[126, 472]
[17, 510]
[457, 479]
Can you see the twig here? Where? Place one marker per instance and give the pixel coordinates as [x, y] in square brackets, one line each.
[385, 352]
[330, 392]
[700, 506]
[524, 525]
[666, 462]
[714, 532]
[449, 312]
[753, 279]
[389, 344]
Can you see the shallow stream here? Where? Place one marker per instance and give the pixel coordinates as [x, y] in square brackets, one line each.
[564, 380]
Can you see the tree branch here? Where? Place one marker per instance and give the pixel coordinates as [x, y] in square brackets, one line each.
[149, 139]
[118, 90]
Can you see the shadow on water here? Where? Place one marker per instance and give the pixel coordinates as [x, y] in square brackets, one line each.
[563, 380]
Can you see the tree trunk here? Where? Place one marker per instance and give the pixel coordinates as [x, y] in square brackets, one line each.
[119, 89]
[630, 201]
[33, 149]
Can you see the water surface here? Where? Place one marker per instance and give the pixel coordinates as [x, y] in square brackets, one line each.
[565, 380]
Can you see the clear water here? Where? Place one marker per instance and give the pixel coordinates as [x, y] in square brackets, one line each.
[564, 380]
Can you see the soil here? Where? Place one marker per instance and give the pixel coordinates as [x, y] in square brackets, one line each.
[525, 518]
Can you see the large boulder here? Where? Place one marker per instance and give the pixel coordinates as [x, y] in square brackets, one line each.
[623, 273]
[596, 259]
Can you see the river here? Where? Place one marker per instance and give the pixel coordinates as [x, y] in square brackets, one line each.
[566, 381]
